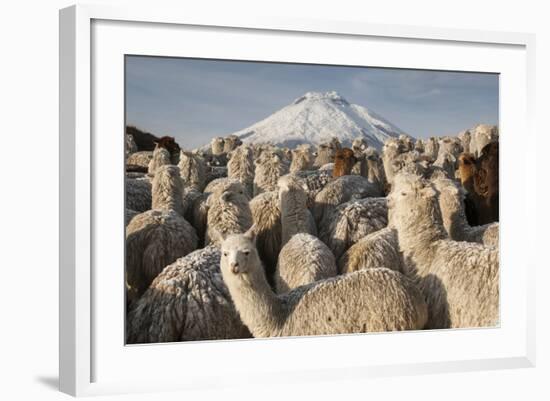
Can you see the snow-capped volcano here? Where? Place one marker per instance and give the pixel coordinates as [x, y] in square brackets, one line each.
[316, 117]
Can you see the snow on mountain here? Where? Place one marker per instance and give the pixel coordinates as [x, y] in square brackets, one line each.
[317, 117]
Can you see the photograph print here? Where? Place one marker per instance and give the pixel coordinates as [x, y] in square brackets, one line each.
[279, 199]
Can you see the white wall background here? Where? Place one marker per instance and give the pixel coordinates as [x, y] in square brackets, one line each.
[29, 200]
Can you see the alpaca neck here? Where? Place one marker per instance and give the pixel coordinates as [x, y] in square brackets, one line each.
[454, 219]
[419, 232]
[167, 193]
[293, 213]
[467, 178]
[259, 308]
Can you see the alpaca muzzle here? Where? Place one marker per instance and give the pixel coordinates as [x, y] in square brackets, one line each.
[234, 268]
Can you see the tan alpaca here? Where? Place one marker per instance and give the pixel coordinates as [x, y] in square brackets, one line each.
[157, 237]
[187, 301]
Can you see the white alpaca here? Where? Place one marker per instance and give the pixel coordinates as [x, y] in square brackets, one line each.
[231, 143]
[269, 167]
[216, 146]
[302, 159]
[295, 216]
[459, 279]
[482, 135]
[161, 157]
[431, 148]
[364, 301]
[241, 167]
[192, 170]
[130, 147]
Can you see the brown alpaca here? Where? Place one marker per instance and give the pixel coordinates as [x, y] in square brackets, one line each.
[480, 178]
[467, 168]
[169, 143]
[486, 183]
[344, 162]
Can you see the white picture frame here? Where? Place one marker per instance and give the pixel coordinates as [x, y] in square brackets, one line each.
[93, 358]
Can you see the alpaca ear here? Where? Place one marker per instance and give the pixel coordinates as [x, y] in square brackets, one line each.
[226, 196]
[216, 236]
[250, 234]
[428, 192]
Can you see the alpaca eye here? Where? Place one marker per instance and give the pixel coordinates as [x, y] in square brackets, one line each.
[246, 252]
[225, 254]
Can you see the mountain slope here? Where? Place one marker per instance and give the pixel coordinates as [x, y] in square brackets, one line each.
[316, 117]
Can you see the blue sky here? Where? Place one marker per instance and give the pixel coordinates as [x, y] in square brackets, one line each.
[195, 100]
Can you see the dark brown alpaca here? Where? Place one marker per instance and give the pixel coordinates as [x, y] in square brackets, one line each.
[486, 183]
[169, 143]
[343, 162]
[480, 179]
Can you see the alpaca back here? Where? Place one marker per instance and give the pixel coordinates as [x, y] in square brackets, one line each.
[138, 194]
[339, 191]
[379, 248]
[228, 213]
[303, 259]
[352, 221]
[187, 301]
[155, 239]
[364, 301]
[139, 161]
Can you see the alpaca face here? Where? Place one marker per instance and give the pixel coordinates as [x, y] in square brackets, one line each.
[238, 254]
[410, 198]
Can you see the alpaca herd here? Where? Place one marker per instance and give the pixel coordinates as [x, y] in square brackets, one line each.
[255, 240]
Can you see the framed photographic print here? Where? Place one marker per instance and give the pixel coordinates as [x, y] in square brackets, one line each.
[255, 191]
